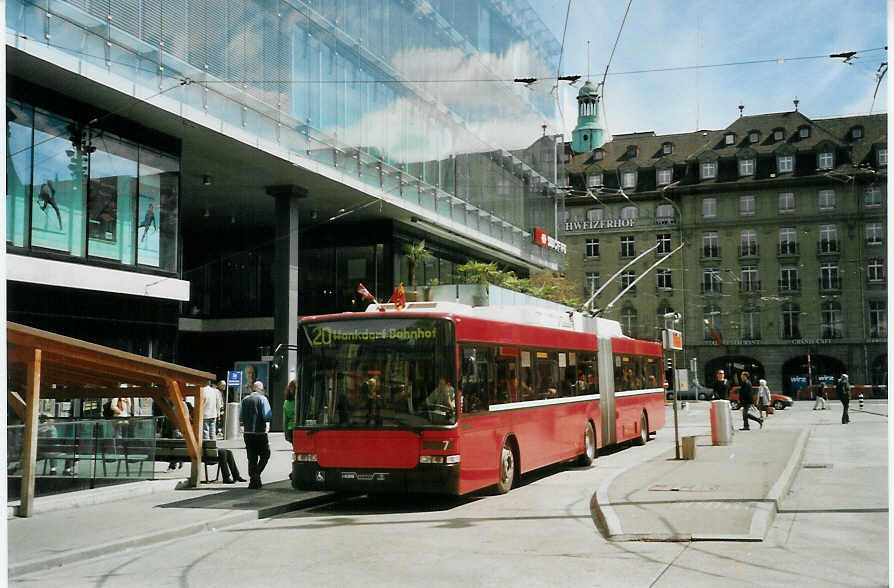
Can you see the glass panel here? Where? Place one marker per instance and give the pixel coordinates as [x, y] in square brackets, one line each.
[110, 202]
[158, 209]
[60, 178]
[19, 119]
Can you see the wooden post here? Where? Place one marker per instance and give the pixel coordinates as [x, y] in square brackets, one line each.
[197, 430]
[29, 453]
[189, 437]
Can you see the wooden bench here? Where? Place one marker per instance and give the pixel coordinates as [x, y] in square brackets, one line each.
[174, 450]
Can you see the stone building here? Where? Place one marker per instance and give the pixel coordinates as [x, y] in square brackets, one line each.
[783, 222]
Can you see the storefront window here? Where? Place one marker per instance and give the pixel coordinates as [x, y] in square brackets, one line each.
[18, 170]
[60, 181]
[157, 210]
[84, 190]
[110, 202]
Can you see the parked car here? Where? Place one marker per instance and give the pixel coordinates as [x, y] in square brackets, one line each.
[778, 401]
[695, 391]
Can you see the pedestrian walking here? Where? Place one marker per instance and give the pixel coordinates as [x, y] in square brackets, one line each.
[721, 386]
[844, 394]
[255, 416]
[746, 400]
[820, 403]
[763, 398]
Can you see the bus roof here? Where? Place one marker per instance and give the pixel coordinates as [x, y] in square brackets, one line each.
[519, 314]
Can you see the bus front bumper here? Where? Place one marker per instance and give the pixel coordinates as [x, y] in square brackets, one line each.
[424, 478]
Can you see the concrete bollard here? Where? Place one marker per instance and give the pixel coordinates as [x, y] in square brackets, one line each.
[231, 421]
[689, 447]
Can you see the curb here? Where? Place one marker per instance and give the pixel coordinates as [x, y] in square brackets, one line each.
[764, 515]
[79, 555]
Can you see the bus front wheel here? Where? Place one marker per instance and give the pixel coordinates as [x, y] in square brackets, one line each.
[507, 468]
[589, 454]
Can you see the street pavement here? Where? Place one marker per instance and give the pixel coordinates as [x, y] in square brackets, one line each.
[802, 502]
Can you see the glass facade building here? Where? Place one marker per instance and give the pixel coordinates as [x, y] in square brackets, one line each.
[412, 99]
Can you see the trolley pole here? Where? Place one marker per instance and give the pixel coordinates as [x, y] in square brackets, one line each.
[676, 390]
[672, 340]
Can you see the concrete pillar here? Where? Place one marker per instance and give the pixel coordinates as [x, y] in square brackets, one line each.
[285, 296]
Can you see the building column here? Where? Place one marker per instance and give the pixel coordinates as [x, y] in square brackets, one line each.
[285, 296]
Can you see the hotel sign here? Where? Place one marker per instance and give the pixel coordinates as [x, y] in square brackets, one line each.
[543, 239]
[574, 226]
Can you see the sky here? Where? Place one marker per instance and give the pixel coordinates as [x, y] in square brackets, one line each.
[685, 34]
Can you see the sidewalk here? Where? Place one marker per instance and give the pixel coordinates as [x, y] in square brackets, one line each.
[79, 525]
[727, 493]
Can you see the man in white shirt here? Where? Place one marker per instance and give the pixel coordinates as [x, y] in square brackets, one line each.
[211, 407]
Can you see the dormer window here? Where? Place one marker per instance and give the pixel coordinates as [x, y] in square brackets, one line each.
[594, 180]
[778, 135]
[746, 167]
[709, 170]
[826, 160]
[729, 138]
[628, 179]
[804, 132]
[632, 150]
[753, 137]
[598, 154]
[857, 133]
[664, 176]
[883, 157]
[667, 148]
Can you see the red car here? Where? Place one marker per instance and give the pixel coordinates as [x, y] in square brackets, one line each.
[778, 401]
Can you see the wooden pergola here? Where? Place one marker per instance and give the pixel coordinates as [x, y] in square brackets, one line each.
[56, 366]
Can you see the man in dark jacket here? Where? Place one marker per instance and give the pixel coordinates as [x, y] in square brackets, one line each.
[843, 388]
[255, 416]
[746, 400]
[721, 386]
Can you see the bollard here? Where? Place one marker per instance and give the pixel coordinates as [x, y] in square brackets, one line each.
[231, 421]
[861, 400]
[689, 447]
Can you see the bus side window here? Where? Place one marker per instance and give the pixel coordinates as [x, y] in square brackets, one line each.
[506, 386]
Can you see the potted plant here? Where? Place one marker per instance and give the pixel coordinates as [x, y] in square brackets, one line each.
[415, 253]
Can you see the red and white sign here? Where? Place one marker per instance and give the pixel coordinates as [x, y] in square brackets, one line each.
[543, 239]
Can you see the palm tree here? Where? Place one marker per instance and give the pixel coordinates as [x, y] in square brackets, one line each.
[415, 253]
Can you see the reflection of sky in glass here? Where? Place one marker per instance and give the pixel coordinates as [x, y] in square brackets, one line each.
[451, 98]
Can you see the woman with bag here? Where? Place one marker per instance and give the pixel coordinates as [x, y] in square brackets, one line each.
[288, 410]
[763, 398]
[746, 399]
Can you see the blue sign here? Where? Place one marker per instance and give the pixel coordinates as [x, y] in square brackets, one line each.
[234, 379]
[798, 382]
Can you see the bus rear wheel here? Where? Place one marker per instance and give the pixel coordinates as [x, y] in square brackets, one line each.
[589, 455]
[507, 468]
[643, 430]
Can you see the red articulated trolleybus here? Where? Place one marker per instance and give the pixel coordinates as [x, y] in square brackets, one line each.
[448, 398]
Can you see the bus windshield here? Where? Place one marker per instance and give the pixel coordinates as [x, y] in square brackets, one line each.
[377, 373]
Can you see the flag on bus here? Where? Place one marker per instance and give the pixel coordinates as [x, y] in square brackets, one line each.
[399, 298]
[364, 293]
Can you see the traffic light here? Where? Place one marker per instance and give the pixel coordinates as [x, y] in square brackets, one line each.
[669, 363]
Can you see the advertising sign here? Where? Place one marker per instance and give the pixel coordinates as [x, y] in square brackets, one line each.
[251, 371]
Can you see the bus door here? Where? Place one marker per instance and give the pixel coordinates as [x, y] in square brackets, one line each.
[607, 392]
[478, 426]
